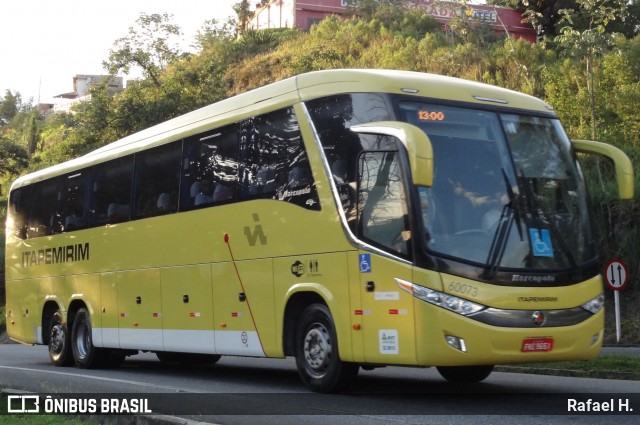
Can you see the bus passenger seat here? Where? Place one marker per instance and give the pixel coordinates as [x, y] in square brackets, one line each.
[117, 212]
[265, 180]
[222, 193]
[164, 203]
[196, 188]
[298, 177]
[202, 199]
[70, 222]
[339, 171]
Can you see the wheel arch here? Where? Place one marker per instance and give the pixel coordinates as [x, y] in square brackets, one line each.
[296, 303]
[48, 310]
[74, 306]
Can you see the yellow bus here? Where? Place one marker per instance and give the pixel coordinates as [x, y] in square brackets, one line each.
[348, 218]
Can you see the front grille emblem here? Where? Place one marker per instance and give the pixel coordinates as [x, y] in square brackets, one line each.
[538, 318]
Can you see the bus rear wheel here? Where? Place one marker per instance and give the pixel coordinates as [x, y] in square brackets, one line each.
[465, 374]
[86, 356]
[317, 355]
[58, 344]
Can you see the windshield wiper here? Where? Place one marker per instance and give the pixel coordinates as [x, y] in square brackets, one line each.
[550, 220]
[510, 212]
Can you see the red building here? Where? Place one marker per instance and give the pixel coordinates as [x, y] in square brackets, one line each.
[302, 14]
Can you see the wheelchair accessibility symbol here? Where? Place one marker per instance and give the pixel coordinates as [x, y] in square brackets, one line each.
[541, 242]
[365, 263]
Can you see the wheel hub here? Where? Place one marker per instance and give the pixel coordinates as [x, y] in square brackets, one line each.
[83, 341]
[57, 338]
[317, 350]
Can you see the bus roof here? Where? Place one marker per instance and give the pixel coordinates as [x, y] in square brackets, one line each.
[288, 92]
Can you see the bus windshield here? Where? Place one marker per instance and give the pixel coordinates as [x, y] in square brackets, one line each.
[507, 191]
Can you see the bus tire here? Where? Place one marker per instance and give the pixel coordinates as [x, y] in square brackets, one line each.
[86, 356]
[59, 351]
[317, 354]
[465, 374]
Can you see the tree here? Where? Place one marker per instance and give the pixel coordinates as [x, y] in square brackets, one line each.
[547, 19]
[244, 13]
[592, 42]
[213, 31]
[151, 47]
[31, 132]
[13, 158]
[630, 26]
[367, 8]
[541, 14]
[9, 106]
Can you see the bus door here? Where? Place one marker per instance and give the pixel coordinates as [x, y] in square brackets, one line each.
[387, 313]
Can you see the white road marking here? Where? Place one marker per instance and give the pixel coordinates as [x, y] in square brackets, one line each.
[101, 378]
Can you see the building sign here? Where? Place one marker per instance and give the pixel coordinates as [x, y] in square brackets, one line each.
[447, 11]
[304, 13]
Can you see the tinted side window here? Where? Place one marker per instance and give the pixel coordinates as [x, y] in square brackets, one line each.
[74, 200]
[157, 174]
[44, 216]
[17, 218]
[274, 162]
[210, 168]
[382, 204]
[332, 117]
[49, 207]
[111, 189]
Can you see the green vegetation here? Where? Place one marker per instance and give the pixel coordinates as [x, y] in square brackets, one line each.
[587, 67]
[604, 367]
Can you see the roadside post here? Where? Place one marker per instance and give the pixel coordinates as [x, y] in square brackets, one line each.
[616, 276]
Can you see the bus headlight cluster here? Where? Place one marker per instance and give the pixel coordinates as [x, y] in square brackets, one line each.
[449, 302]
[595, 305]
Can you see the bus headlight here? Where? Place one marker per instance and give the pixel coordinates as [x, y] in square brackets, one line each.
[595, 305]
[446, 301]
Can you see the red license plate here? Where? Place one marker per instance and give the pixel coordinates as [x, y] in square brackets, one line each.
[530, 345]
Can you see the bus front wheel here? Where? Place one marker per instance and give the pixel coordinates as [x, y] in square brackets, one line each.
[465, 374]
[317, 355]
[59, 351]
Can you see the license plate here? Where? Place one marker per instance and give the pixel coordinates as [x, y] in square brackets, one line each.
[530, 345]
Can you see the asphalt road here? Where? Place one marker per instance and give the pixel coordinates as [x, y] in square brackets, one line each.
[268, 391]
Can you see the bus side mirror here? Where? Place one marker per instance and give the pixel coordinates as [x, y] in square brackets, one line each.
[415, 141]
[622, 163]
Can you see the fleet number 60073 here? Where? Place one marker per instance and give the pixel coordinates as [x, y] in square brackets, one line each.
[463, 288]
